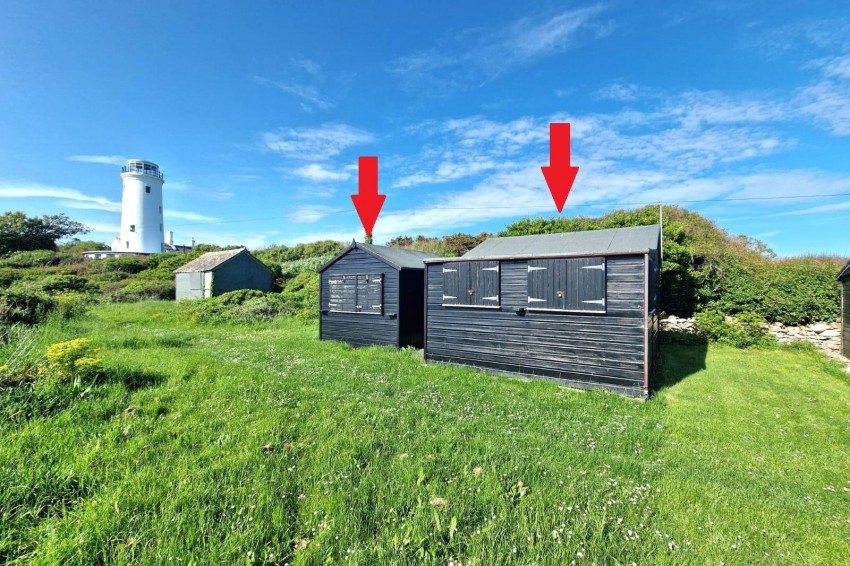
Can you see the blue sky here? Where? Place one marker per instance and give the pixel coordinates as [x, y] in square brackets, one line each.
[257, 112]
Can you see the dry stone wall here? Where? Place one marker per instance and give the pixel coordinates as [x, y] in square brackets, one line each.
[826, 337]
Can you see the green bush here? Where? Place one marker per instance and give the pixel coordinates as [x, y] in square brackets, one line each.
[8, 276]
[35, 258]
[283, 254]
[793, 291]
[127, 264]
[71, 304]
[146, 289]
[27, 307]
[237, 297]
[744, 331]
[301, 295]
[58, 283]
[298, 299]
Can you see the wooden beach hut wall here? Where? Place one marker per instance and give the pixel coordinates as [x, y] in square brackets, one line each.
[373, 295]
[844, 279]
[580, 308]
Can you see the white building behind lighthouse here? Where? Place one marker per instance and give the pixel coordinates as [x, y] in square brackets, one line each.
[141, 209]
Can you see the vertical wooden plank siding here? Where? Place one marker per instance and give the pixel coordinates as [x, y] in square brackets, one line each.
[361, 329]
[242, 272]
[845, 309]
[646, 326]
[578, 349]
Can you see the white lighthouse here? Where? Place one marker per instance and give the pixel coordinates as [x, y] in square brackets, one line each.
[141, 209]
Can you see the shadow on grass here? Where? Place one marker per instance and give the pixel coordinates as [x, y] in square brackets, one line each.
[681, 355]
[133, 379]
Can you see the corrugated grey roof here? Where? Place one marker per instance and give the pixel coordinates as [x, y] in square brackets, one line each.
[614, 241]
[209, 261]
[844, 272]
[400, 259]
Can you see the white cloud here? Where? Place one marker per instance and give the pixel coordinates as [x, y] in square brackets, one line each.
[828, 100]
[470, 147]
[309, 94]
[476, 55]
[823, 209]
[320, 143]
[684, 135]
[621, 92]
[309, 66]
[70, 197]
[179, 185]
[319, 173]
[190, 216]
[312, 213]
[837, 67]
[117, 160]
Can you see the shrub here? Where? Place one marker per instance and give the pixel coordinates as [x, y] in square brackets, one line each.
[128, 264]
[27, 307]
[745, 331]
[8, 276]
[146, 289]
[73, 360]
[298, 300]
[792, 291]
[71, 304]
[301, 295]
[283, 254]
[56, 283]
[237, 297]
[35, 258]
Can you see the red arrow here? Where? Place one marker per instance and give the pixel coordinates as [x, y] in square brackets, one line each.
[559, 175]
[368, 202]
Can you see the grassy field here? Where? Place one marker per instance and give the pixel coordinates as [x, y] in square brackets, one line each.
[260, 444]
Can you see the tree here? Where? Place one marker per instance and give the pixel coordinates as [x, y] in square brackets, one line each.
[19, 232]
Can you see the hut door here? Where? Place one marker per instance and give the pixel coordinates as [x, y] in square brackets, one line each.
[587, 293]
[451, 284]
[483, 284]
[572, 285]
[546, 284]
[471, 283]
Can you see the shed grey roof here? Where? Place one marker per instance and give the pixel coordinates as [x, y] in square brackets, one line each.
[844, 273]
[211, 261]
[614, 241]
[398, 258]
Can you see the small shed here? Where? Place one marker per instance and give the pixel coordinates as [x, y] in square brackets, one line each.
[373, 295]
[579, 308]
[844, 278]
[215, 273]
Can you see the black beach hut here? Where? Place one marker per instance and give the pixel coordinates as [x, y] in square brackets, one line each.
[844, 278]
[373, 295]
[580, 308]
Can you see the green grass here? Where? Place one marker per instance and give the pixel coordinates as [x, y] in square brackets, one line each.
[233, 444]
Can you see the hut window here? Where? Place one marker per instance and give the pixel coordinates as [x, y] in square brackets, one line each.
[471, 284]
[570, 285]
[361, 293]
